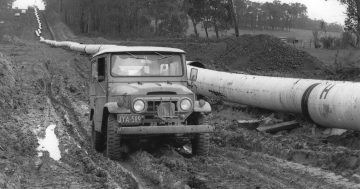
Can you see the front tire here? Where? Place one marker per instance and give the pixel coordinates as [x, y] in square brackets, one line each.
[113, 140]
[200, 144]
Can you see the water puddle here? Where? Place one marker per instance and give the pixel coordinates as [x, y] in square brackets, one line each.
[49, 143]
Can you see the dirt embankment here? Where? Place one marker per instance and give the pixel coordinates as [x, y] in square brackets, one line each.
[267, 55]
[52, 91]
[42, 86]
[7, 85]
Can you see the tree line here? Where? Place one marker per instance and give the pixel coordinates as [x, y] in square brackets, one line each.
[124, 18]
[6, 4]
[352, 22]
[222, 15]
[148, 18]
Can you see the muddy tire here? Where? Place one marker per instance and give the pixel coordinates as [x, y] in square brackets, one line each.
[97, 139]
[200, 144]
[113, 140]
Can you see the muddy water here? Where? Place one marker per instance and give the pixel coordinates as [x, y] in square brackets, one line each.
[49, 143]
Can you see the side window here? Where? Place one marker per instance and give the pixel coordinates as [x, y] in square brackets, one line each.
[101, 69]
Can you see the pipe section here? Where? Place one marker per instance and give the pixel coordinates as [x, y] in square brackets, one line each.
[275, 93]
[38, 31]
[335, 105]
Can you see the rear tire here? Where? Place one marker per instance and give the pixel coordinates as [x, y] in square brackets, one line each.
[113, 140]
[97, 138]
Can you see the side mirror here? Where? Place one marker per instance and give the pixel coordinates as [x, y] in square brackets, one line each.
[193, 74]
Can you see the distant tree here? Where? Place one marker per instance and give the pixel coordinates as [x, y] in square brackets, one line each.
[146, 18]
[215, 12]
[323, 26]
[240, 8]
[232, 12]
[196, 11]
[334, 27]
[296, 11]
[274, 12]
[173, 18]
[220, 15]
[316, 39]
[6, 3]
[352, 22]
[123, 18]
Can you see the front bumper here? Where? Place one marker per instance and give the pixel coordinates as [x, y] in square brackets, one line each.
[173, 129]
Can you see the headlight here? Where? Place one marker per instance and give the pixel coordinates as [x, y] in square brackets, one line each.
[139, 105]
[185, 104]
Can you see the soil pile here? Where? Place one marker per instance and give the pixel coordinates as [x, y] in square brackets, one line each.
[266, 55]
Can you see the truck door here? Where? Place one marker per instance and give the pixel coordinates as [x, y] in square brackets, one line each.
[98, 89]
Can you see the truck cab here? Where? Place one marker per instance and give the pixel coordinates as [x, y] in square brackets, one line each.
[139, 93]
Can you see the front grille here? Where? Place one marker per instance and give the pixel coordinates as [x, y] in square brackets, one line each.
[152, 106]
[166, 110]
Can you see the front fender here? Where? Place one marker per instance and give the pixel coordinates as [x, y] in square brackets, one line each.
[114, 108]
[206, 108]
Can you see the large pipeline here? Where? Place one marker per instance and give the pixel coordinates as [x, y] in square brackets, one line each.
[333, 104]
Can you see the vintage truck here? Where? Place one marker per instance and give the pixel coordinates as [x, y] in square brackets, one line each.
[141, 93]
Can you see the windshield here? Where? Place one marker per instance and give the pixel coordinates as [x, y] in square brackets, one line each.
[146, 64]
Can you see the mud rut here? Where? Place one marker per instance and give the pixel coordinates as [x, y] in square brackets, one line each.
[74, 114]
[53, 83]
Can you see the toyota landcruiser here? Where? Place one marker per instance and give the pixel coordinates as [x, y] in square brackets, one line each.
[141, 93]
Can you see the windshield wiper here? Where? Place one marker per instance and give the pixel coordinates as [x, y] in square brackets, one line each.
[133, 56]
[163, 56]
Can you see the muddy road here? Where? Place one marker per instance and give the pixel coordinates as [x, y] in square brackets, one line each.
[43, 86]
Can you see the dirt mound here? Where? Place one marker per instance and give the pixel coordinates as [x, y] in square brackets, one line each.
[265, 54]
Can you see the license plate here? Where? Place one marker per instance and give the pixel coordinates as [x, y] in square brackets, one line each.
[130, 119]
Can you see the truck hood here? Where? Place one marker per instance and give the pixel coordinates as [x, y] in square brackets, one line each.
[147, 89]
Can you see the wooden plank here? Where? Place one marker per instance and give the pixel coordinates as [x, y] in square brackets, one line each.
[279, 127]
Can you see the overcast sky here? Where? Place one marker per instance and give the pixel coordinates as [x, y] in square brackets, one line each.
[330, 11]
[23, 4]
